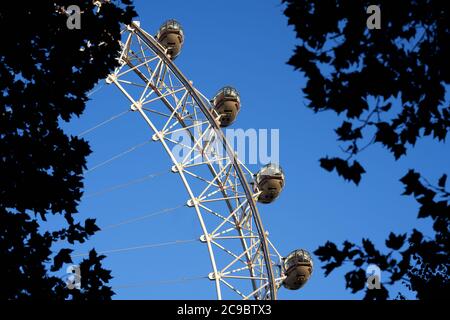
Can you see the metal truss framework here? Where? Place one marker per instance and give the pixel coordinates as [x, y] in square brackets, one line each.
[215, 179]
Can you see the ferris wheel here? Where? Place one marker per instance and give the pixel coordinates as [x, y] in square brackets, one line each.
[221, 191]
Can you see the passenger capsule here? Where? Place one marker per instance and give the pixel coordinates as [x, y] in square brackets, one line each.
[171, 37]
[227, 104]
[269, 181]
[298, 267]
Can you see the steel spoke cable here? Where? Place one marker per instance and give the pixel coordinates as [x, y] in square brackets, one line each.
[146, 216]
[144, 246]
[95, 90]
[127, 184]
[117, 156]
[114, 117]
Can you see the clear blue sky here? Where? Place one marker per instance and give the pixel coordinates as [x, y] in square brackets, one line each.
[246, 44]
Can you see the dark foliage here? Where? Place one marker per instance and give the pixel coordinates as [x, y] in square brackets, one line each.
[366, 74]
[389, 85]
[46, 71]
[421, 263]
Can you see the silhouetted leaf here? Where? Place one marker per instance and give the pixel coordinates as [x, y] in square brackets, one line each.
[62, 257]
[411, 182]
[369, 247]
[395, 242]
[327, 251]
[355, 280]
[349, 172]
[346, 132]
[90, 226]
[442, 181]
